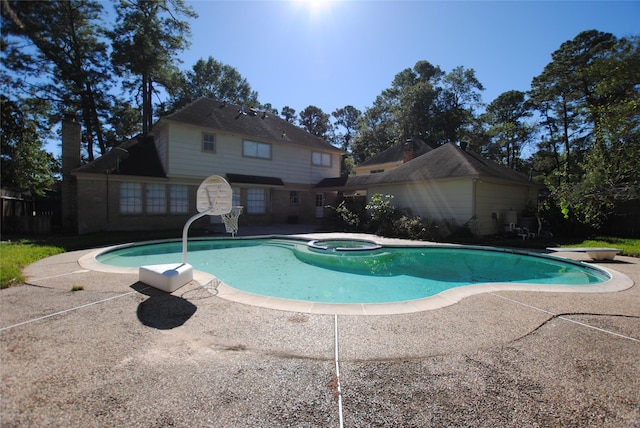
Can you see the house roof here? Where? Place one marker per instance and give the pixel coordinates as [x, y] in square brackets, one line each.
[395, 153]
[446, 161]
[137, 157]
[223, 116]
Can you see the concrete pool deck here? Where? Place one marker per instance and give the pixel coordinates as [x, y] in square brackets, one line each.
[118, 353]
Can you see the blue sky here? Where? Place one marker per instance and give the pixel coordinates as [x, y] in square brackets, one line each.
[344, 52]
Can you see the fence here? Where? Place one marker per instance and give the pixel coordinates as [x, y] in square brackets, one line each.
[26, 215]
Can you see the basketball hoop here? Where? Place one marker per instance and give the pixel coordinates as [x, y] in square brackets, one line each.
[230, 220]
[213, 197]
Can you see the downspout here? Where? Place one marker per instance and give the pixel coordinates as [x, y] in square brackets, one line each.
[474, 199]
[108, 218]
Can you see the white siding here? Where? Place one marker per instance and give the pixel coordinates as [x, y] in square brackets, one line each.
[161, 139]
[500, 198]
[289, 162]
[441, 200]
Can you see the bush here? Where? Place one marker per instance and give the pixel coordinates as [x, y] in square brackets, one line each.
[344, 218]
[452, 230]
[383, 215]
[417, 228]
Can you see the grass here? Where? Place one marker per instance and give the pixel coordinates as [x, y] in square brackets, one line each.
[629, 247]
[16, 255]
[17, 252]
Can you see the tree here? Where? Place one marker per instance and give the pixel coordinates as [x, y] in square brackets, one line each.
[377, 131]
[288, 114]
[347, 118]
[146, 40]
[509, 132]
[588, 98]
[212, 79]
[459, 99]
[24, 165]
[56, 51]
[315, 121]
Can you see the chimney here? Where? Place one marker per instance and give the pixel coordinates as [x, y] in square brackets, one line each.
[464, 145]
[71, 138]
[408, 150]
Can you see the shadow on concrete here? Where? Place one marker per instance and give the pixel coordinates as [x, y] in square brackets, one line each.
[162, 310]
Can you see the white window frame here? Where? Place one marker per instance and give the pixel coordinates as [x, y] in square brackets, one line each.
[155, 198]
[255, 149]
[130, 198]
[256, 201]
[208, 143]
[321, 159]
[179, 199]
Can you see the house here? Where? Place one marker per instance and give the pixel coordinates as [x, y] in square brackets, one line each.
[450, 183]
[394, 156]
[150, 182]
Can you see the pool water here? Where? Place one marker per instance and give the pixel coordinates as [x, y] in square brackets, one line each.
[290, 269]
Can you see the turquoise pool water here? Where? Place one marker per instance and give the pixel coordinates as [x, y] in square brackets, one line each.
[290, 269]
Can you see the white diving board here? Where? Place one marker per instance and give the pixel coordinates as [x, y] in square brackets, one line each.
[594, 253]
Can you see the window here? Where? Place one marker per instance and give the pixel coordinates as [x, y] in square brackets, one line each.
[208, 143]
[294, 197]
[320, 159]
[178, 199]
[235, 197]
[376, 171]
[130, 198]
[256, 201]
[253, 149]
[156, 199]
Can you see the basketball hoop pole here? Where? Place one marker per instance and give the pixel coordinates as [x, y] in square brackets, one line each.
[185, 232]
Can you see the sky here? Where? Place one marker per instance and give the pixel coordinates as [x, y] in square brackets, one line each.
[333, 53]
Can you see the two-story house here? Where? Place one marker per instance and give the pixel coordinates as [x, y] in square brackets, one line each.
[150, 183]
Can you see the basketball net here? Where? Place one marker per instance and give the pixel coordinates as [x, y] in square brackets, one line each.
[230, 220]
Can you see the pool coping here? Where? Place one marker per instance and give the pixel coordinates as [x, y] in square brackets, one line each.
[617, 282]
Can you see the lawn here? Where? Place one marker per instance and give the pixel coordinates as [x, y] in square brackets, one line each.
[15, 255]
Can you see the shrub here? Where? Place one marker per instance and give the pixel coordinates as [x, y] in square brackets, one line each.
[417, 228]
[383, 214]
[346, 219]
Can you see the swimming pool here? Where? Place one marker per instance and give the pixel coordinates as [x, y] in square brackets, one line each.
[344, 273]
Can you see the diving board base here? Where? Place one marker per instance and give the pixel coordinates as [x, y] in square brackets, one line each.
[593, 253]
[166, 277]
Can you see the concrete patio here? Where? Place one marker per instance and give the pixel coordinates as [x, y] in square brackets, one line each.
[118, 353]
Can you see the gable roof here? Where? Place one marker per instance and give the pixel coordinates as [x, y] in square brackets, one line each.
[137, 157]
[223, 116]
[446, 161]
[395, 153]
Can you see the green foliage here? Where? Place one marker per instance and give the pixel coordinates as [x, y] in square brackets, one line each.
[417, 228]
[315, 121]
[56, 51]
[212, 79]
[347, 118]
[146, 40]
[15, 256]
[347, 220]
[383, 214]
[629, 247]
[588, 97]
[24, 165]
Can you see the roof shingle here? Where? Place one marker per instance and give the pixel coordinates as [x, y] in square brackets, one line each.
[219, 115]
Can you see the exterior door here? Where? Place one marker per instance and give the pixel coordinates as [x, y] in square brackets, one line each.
[319, 205]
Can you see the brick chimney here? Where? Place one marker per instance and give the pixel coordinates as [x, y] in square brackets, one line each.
[408, 150]
[71, 139]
